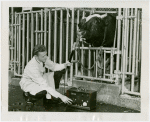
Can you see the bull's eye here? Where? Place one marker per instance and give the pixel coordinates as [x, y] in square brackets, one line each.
[79, 25]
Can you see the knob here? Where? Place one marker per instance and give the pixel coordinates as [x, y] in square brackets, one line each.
[84, 104]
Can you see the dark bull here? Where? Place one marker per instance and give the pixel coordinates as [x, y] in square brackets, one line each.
[98, 30]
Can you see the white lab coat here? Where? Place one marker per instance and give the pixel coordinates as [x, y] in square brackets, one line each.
[35, 79]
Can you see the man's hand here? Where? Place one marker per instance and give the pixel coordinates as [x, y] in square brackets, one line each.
[66, 100]
[67, 64]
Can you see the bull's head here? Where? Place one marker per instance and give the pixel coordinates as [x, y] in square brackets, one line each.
[89, 27]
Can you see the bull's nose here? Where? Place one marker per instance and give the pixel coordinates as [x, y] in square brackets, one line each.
[79, 32]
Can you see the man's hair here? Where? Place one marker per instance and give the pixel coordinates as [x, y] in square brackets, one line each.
[38, 48]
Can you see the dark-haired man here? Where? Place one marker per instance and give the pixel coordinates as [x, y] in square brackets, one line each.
[34, 80]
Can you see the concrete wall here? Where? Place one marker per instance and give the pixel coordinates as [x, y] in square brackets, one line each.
[110, 93]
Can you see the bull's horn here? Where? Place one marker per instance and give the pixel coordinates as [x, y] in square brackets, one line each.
[94, 15]
[103, 16]
[83, 17]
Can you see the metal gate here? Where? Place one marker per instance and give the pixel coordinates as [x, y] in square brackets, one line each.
[127, 53]
[57, 30]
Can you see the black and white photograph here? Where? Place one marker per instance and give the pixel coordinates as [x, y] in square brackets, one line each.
[74, 59]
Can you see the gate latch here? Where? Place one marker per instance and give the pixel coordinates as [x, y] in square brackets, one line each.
[117, 74]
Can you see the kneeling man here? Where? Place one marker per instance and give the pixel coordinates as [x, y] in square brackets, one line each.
[35, 80]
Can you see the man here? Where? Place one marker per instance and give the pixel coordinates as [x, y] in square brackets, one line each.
[35, 81]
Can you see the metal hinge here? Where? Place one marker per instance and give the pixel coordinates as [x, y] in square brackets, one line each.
[14, 62]
[15, 24]
[39, 31]
[11, 48]
[119, 17]
[131, 17]
[117, 73]
[122, 17]
[117, 52]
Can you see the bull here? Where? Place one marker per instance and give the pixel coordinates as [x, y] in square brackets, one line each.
[98, 30]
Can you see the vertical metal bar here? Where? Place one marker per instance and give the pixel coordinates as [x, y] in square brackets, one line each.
[134, 44]
[49, 35]
[27, 37]
[123, 29]
[94, 57]
[127, 40]
[76, 65]
[72, 40]
[89, 65]
[96, 63]
[82, 59]
[9, 44]
[55, 36]
[36, 28]
[19, 43]
[89, 62]
[111, 64]
[61, 22]
[104, 63]
[124, 50]
[15, 46]
[42, 26]
[130, 50]
[23, 34]
[63, 39]
[140, 38]
[137, 45]
[140, 50]
[118, 44]
[67, 36]
[32, 33]
[12, 33]
[45, 27]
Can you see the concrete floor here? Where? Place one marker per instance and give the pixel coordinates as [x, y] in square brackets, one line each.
[17, 103]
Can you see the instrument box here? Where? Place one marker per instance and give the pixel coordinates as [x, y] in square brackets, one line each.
[82, 98]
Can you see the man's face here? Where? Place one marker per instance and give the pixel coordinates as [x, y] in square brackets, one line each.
[42, 56]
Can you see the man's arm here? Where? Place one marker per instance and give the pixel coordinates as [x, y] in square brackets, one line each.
[54, 66]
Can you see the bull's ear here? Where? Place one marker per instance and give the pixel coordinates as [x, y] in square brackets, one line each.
[79, 25]
[82, 24]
